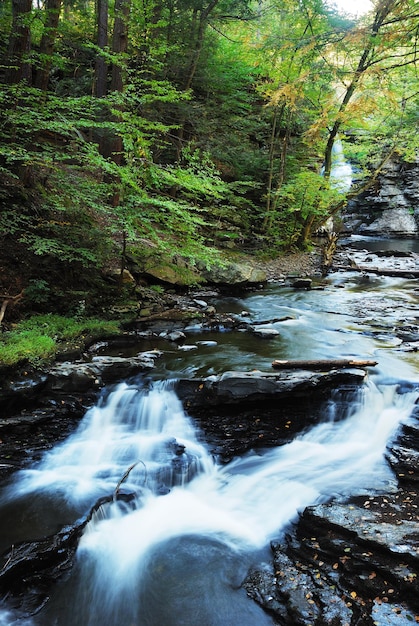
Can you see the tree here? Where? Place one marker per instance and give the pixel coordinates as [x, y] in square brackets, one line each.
[102, 42]
[52, 10]
[18, 65]
[389, 42]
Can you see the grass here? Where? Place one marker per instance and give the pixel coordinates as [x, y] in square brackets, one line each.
[38, 339]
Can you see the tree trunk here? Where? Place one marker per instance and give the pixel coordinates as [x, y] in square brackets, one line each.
[102, 42]
[329, 250]
[366, 60]
[17, 66]
[120, 42]
[46, 48]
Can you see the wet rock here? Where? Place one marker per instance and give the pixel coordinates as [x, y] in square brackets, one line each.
[31, 568]
[175, 336]
[352, 562]
[20, 388]
[265, 333]
[235, 387]
[347, 563]
[302, 283]
[296, 593]
[80, 376]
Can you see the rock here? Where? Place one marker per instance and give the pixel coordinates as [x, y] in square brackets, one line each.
[391, 207]
[21, 388]
[302, 283]
[79, 376]
[265, 333]
[236, 387]
[234, 274]
[126, 277]
[201, 303]
[175, 336]
[352, 562]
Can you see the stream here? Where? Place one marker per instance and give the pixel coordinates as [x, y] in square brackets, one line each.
[176, 549]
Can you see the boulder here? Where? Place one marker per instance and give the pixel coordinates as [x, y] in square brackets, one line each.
[234, 274]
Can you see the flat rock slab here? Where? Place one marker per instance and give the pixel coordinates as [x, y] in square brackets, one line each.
[234, 387]
[390, 522]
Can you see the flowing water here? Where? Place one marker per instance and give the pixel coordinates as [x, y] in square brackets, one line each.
[177, 549]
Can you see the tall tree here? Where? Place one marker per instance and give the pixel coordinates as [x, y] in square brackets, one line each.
[102, 42]
[120, 43]
[52, 10]
[18, 66]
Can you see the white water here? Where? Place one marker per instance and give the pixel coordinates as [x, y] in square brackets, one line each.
[240, 506]
[178, 558]
[341, 174]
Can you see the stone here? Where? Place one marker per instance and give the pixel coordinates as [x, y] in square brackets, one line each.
[302, 283]
[235, 387]
[234, 274]
[265, 333]
[79, 376]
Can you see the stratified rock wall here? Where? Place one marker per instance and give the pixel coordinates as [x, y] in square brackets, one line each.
[390, 207]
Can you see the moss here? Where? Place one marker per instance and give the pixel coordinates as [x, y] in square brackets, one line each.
[39, 338]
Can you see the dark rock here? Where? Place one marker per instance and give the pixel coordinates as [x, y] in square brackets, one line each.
[235, 387]
[31, 568]
[302, 283]
[81, 376]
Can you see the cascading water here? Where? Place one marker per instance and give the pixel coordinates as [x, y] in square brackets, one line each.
[179, 532]
[341, 174]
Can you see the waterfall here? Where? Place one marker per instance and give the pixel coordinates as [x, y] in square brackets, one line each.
[181, 500]
[179, 531]
[341, 173]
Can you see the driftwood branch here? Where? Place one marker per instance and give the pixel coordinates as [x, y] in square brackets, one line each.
[8, 300]
[321, 364]
[127, 473]
[329, 250]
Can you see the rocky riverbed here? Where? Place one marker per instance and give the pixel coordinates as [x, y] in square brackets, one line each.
[344, 562]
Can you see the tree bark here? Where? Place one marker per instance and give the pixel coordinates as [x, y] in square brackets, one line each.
[46, 48]
[18, 67]
[322, 364]
[102, 42]
[120, 42]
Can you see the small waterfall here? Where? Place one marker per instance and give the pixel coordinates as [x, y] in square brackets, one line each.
[341, 173]
[185, 514]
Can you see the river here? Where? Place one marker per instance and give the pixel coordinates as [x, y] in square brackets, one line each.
[178, 552]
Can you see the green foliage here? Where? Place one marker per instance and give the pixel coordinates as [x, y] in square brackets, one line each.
[303, 202]
[215, 138]
[38, 338]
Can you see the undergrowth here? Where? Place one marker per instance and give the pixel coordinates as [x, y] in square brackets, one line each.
[38, 338]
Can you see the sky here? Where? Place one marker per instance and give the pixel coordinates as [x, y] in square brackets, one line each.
[354, 7]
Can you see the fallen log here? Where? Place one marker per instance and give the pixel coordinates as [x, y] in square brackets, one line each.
[321, 364]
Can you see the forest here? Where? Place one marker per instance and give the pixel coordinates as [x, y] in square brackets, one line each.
[187, 130]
